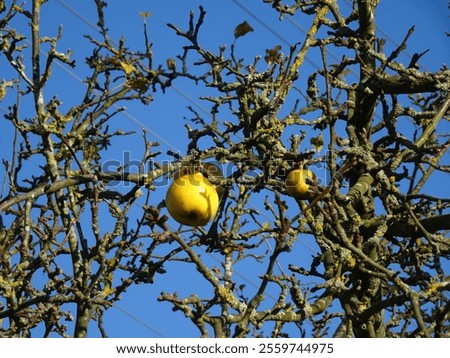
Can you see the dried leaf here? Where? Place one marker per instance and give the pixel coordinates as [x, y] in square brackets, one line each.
[138, 83]
[171, 64]
[272, 54]
[317, 142]
[145, 14]
[242, 29]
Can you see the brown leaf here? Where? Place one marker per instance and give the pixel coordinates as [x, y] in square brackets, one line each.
[272, 54]
[317, 142]
[242, 29]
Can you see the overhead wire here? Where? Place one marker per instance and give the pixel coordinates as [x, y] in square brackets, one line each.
[140, 321]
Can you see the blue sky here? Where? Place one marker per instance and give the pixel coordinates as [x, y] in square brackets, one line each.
[138, 314]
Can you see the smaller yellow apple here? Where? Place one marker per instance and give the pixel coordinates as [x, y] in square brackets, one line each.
[192, 199]
[296, 184]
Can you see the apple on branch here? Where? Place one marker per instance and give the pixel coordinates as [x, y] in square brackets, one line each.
[297, 183]
[192, 199]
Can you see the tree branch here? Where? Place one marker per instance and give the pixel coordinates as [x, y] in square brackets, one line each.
[431, 225]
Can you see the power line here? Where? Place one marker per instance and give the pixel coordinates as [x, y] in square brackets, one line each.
[140, 321]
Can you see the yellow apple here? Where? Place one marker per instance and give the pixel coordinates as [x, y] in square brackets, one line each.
[296, 184]
[192, 199]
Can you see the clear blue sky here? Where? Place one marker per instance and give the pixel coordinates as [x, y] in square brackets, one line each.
[138, 314]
